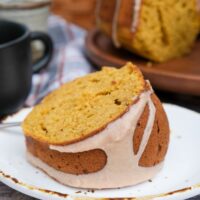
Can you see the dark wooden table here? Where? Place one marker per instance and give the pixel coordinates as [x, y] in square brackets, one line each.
[190, 102]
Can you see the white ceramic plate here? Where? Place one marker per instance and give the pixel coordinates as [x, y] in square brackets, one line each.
[180, 178]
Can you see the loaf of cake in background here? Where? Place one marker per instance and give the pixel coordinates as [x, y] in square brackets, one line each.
[154, 29]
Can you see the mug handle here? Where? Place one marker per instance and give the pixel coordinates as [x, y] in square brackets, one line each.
[48, 50]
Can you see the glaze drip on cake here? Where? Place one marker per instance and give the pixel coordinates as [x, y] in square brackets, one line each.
[135, 19]
[115, 23]
[136, 14]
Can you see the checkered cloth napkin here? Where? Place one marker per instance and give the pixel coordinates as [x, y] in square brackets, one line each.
[68, 61]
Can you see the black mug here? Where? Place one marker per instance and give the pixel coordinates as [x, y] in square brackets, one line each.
[16, 66]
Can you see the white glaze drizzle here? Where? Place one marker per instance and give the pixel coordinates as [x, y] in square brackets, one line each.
[136, 14]
[115, 24]
[148, 128]
[116, 140]
[135, 19]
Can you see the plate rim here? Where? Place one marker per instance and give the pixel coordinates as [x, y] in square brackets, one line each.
[36, 191]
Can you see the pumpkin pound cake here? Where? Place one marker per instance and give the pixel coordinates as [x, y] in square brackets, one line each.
[105, 130]
[158, 30]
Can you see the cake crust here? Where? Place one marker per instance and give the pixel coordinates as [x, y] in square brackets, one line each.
[72, 163]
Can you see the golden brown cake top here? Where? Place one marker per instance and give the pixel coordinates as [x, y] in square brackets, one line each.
[85, 106]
